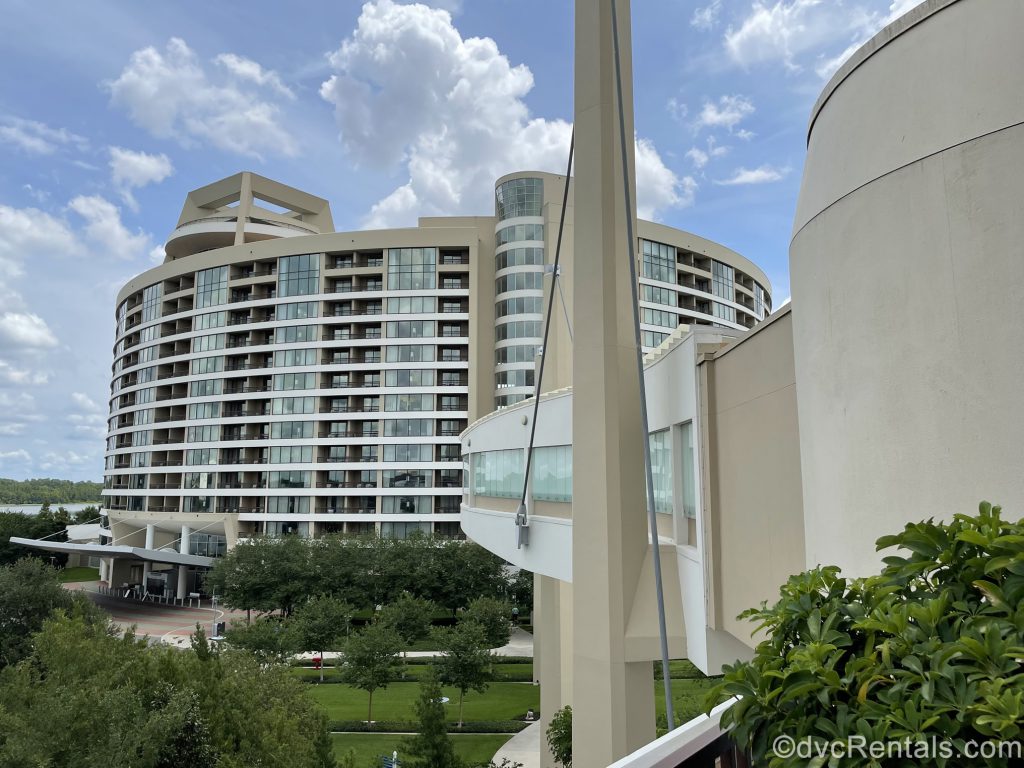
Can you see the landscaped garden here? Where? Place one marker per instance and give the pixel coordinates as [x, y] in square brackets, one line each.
[473, 748]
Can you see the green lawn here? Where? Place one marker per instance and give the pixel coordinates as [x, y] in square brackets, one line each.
[79, 573]
[501, 701]
[687, 697]
[473, 748]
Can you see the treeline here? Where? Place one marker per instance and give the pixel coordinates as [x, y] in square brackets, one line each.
[46, 489]
[48, 524]
[277, 574]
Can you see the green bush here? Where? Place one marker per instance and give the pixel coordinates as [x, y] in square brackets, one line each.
[929, 648]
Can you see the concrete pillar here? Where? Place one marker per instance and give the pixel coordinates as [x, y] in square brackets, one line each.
[103, 569]
[547, 654]
[613, 699]
[150, 544]
[183, 544]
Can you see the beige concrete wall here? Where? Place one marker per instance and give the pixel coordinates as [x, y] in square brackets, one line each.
[907, 274]
[751, 460]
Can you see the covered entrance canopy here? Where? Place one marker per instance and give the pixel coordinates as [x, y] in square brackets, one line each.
[118, 552]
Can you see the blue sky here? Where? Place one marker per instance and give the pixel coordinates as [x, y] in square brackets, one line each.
[111, 111]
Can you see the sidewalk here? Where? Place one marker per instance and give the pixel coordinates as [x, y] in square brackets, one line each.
[520, 644]
[523, 748]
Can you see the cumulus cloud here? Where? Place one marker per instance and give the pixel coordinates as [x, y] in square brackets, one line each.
[37, 138]
[25, 330]
[761, 175]
[84, 402]
[247, 69]
[727, 113]
[788, 30]
[104, 228]
[19, 455]
[172, 95]
[412, 95]
[706, 17]
[131, 170]
[11, 375]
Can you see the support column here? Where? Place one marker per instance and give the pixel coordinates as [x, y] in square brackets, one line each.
[547, 655]
[150, 544]
[613, 699]
[183, 544]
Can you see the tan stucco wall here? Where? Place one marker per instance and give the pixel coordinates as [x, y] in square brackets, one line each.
[906, 274]
[752, 473]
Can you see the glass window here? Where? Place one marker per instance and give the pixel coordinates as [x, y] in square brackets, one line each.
[408, 427]
[410, 402]
[518, 354]
[519, 197]
[722, 280]
[408, 377]
[291, 454]
[293, 357]
[212, 287]
[408, 305]
[209, 320]
[206, 434]
[208, 365]
[498, 473]
[410, 452]
[552, 473]
[522, 305]
[658, 317]
[297, 310]
[661, 470]
[293, 479]
[653, 338]
[199, 480]
[689, 484]
[285, 405]
[519, 329]
[194, 456]
[410, 329]
[208, 343]
[412, 269]
[204, 410]
[519, 257]
[298, 275]
[288, 505]
[410, 354]
[284, 381]
[520, 281]
[659, 261]
[407, 478]
[291, 430]
[658, 295]
[199, 504]
[520, 378]
[724, 312]
[406, 505]
[293, 334]
[151, 302]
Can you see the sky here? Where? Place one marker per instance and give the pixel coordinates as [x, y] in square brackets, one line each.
[111, 112]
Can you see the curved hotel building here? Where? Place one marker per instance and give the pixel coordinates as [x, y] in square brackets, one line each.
[274, 376]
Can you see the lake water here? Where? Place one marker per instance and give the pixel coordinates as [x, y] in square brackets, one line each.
[33, 509]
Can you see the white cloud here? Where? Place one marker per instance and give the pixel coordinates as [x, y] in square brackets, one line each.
[787, 30]
[9, 375]
[25, 330]
[104, 227]
[463, 119]
[706, 17]
[247, 69]
[761, 175]
[727, 113]
[131, 170]
[19, 455]
[84, 401]
[171, 95]
[677, 109]
[661, 188]
[157, 254]
[37, 138]
[698, 157]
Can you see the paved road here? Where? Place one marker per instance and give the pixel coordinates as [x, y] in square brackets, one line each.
[523, 748]
[162, 623]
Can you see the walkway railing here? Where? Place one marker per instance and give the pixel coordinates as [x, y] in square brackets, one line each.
[194, 600]
[699, 743]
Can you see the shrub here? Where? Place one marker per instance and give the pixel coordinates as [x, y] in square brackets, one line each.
[559, 737]
[929, 648]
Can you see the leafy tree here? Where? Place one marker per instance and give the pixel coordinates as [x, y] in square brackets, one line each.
[467, 663]
[559, 737]
[928, 649]
[266, 574]
[320, 624]
[38, 526]
[370, 660]
[29, 593]
[269, 639]
[87, 697]
[520, 591]
[494, 616]
[48, 490]
[409, 616]
[432, 747]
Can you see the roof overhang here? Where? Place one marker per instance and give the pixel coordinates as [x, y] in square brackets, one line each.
[118, 552]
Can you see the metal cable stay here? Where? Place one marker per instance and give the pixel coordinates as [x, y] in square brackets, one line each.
[522, 517]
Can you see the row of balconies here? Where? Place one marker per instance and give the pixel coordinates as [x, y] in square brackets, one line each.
[345, 478]
[341, 505]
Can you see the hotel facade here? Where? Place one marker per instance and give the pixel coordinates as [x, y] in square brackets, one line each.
[273, 376]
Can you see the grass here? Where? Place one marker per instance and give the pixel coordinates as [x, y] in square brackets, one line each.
[473, 748]
[78, 573]
[687, 697]
[501, 701]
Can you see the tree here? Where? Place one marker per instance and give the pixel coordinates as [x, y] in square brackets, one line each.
[38, 526]
[270, 639]
[464, 571]
[266, 574]
[29, 593]
[494, 616]
[467, 663]
[927, 650]
[370, 660]
[409, 616]
[559, 737]
[432, 747]
[520, 591]
[319, 625]
[87, 697]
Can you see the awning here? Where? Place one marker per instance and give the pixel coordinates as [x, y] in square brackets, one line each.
[118, 552]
